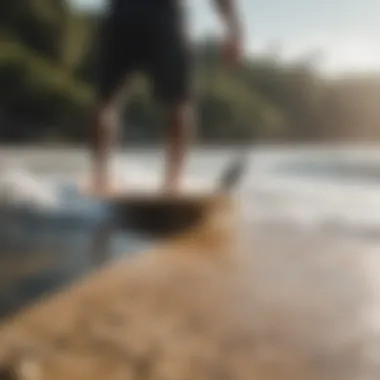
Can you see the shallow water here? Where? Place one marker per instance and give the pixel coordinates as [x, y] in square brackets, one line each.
[329, 190]
[44, 248]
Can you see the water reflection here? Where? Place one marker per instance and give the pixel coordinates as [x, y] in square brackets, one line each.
[331, 168]
[39, 253]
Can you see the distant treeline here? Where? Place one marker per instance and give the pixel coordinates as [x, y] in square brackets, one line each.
[47, 61]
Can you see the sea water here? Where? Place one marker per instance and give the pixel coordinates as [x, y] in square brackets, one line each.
[48, 240]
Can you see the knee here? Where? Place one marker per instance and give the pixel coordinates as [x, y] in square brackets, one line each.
[183, 118]
[106, 116]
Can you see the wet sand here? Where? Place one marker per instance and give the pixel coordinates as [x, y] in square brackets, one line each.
[221, 301]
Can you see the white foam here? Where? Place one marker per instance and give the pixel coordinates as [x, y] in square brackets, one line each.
[127, 176]
[19, 188]
[139, 177]
[308, 202]
[62, 195]
[314, 204]
[22, 189]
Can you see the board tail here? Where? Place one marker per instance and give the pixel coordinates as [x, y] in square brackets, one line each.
[234, 173]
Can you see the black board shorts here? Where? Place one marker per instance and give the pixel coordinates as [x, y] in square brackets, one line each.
[154, 43]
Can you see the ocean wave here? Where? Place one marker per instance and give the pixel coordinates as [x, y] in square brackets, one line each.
[20, 188]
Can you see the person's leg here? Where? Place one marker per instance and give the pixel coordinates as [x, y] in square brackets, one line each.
[171, 71]
[181, 126]
[104, 129]
[115, 63]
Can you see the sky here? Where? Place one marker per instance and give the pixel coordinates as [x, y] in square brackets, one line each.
[345, 33]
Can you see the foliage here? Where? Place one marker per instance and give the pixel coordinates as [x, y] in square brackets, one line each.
[47, 65]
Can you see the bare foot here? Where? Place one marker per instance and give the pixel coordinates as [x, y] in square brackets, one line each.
[171, 186]
[97, 188]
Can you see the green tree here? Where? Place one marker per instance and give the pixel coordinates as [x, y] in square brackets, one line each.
[48, 57]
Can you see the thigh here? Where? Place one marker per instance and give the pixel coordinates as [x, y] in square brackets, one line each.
[170, 60]
[118, 56]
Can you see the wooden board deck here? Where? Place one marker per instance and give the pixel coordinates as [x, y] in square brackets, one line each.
[207, 304]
